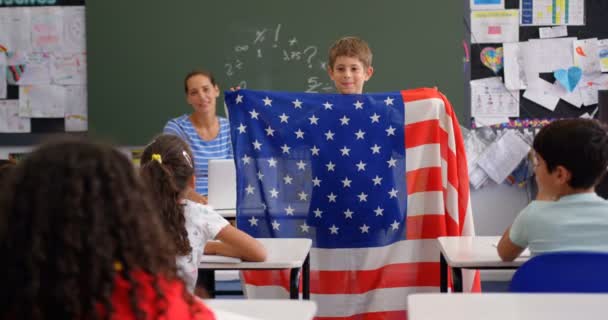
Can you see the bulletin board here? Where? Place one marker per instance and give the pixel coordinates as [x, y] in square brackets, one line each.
[596, 13]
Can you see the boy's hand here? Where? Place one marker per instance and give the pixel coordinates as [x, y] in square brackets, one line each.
[237, 88]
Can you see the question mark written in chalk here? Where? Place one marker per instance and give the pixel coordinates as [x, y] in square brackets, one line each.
[313, 52]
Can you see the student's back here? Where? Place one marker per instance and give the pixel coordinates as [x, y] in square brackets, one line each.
[81, 241]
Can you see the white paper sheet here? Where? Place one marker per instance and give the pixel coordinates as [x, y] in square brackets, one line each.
[490, 121]
[74, 29]
[542, 94]
[76, 115]
[574, 98]
[68, 68]
[10, 121]
[494, 26]
[551, 12]
[546, 55]
[46, 28]
[43, 101]
[14, 26]
[3, 83]
[504, 155]
[602, 46]
[34, 70]
[487, 4]
[515, 75]
[590, 85]
[586, 55]
[553, 32]
[490, 98]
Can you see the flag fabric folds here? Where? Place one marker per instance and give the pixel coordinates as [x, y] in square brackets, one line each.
[372, 179]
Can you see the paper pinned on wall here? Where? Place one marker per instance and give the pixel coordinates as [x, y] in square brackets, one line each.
[586, 55]
[589, 87]
[76, 115]
[74, 29]
[490, 98]
[546, 55]
[42, 101]
[46, 29]
[487, 4]
[574, 98]
[494, 26]
[602, 46]
[68, 68]
[542, 94]
[3, 83]
[515, 74]
[490, 121]
[10, 121]
[13, 22]
[553, 32]
[34, 69]
[551, 12]
[504, 155]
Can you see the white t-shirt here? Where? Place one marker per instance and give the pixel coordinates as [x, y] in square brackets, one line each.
[203, 224]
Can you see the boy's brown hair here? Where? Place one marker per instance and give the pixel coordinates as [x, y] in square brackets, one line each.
[350, 47]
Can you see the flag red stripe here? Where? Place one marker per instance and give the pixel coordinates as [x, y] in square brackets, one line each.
[421, 133]
[430, 226]
[425, 179]
[387, 315]
[420, 274]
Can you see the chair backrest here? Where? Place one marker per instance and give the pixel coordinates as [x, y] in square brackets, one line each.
[585, 272]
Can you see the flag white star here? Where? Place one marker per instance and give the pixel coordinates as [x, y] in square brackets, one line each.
[344, 121]
[274, 193]
[260, 175]
[329, 135]
[330, 166]
[303, 196]
[269, 131]
[393, 193]
[254, 115]
[388, 101]
[316, 182]
[289, 210]
[272, 162]
[360, 134]
[275, 225]
[390, 131]
[358, 105]
[242, 128]
[246, 159]
[395, 225]
[375, 118]
[297, 104]
[239, 98]
[284, 118]
[375, 149]
[377, 180]
[304, 227]
[318, 213]
[392, 163]
[257, 145]
[249, 189]
[362, 197]
[346, 182]
[348, 214]
[299, 134]
[364, 228]
[332, 197]
[345, 151]
[267, 101]
[327, 105]
[253, 221]
[301, 165]
[314, 150]
[285, 148]
[313, 119]
[379, 211]
[361, 166]
[334, 229]
[287, 179]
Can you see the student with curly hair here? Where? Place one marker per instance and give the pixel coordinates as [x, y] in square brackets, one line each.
[168, 170]
[83, 241]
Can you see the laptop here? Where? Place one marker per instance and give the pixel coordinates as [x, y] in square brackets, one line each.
[221, 186]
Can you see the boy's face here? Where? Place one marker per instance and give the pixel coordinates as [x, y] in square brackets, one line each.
[349, 74]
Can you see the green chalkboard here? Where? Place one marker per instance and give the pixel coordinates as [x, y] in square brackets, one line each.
[139, 52]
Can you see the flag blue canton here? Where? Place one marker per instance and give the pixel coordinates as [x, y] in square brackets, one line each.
[328, 167]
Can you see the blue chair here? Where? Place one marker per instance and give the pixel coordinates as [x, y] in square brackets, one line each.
[574, 272]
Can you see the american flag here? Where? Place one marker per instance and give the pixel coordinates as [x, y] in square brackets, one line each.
[371, 192]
